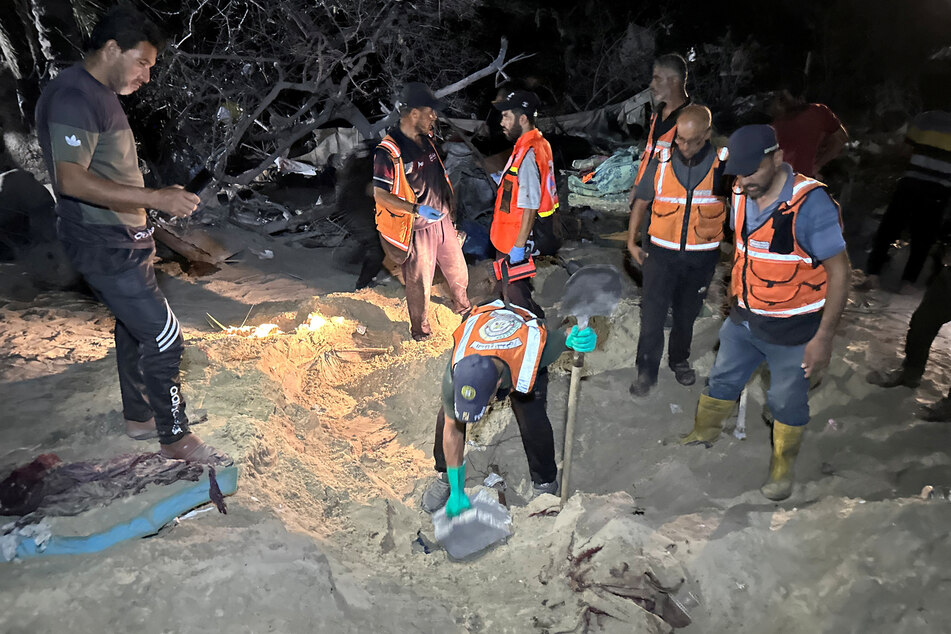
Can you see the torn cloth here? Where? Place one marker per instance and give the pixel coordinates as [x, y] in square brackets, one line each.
[48, 487]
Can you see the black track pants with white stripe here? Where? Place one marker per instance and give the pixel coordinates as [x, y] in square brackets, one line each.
[149, 341]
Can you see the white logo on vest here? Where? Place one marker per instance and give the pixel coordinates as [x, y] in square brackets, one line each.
[499, 327]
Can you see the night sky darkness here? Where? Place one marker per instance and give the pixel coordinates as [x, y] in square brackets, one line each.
[856, 44]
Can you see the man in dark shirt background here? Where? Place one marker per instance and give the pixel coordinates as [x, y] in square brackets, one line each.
[810, 134]
[101, 219]
[410, 182]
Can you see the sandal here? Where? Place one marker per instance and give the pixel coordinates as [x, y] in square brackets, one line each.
[191, 448]
[140, 430]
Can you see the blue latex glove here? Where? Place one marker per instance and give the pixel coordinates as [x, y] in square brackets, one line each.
[458, 501]
[429, 213]
[516, 255]
[581, 340]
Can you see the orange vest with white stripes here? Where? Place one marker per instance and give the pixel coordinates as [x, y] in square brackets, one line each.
[666, 141]
[507, 219]
[396, 225]
[773, 275]
[686, 220]
[514, 336]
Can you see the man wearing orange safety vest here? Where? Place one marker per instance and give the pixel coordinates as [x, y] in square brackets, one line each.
[669, 96]
[414, 205]
[500, 350]
[527, 195]
[685, 190]
[790, 285]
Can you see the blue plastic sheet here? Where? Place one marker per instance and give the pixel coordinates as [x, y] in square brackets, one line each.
[148, 523]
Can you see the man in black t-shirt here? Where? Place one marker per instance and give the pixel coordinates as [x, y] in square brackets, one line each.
[101, 219]
[414, 208]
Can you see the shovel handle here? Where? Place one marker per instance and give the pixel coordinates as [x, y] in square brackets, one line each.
[576, 369]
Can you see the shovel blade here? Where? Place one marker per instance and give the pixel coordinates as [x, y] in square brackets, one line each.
[592, 290]
[483, 525]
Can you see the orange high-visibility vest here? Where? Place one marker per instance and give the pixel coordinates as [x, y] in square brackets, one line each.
[682, 220]
[507, 219]
[515, 336]
[665, 141]
[396, 225]
[773, 275]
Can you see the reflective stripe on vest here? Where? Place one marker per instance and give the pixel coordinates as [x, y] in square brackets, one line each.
[777, 283]
[709, 246]
[518, 342]
[758, 254]
[808, 308]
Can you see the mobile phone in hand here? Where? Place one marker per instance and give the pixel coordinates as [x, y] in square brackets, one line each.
[201, 180]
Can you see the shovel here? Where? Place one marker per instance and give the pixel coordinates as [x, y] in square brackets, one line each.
[591, 290]
[474, 530]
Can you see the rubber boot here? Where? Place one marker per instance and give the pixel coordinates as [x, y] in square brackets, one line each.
[711, 412]
[786, 443]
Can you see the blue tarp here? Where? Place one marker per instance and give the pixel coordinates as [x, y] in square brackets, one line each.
[148, 523]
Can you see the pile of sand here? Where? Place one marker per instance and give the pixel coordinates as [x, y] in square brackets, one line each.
[334, 446]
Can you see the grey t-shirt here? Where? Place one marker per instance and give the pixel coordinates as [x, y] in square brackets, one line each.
[529, 183]
[79, 120]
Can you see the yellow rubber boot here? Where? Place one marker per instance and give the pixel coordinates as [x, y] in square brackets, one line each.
[786, 443]
[711, 412]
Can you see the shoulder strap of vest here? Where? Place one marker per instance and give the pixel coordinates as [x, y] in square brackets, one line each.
[525, 143]
[802, 185]
[389, 144]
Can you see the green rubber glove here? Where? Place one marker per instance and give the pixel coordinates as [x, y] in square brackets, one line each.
[458, 501]
[583, 340]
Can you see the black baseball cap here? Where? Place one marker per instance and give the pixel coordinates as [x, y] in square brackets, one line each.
[748, 146]
[523, 99]
[416, 94]
[475, 380]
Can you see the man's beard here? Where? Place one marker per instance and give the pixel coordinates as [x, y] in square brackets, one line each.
[514, 132]
[754, 191]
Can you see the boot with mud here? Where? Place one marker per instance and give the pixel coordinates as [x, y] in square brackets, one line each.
[708, 423]
[436, 494]
[786, 443]
[191, 448]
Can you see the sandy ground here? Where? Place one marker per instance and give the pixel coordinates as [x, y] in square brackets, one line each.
[334, 449]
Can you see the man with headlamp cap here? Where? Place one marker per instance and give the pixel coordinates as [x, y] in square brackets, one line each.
[790, 283]
[500, 350]
[527, 197]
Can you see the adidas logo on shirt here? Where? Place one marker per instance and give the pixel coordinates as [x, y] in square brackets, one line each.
[72, 141]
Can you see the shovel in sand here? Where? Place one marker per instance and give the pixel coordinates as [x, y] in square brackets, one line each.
[487, 522]
[591, 290]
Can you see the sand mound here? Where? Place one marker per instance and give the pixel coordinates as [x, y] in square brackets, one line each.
[325, 369]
